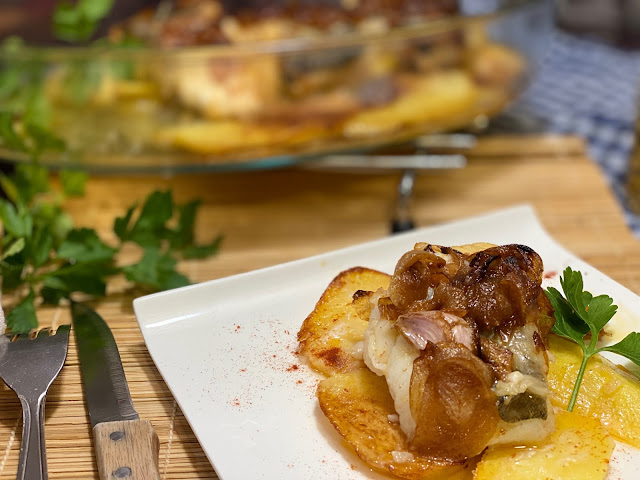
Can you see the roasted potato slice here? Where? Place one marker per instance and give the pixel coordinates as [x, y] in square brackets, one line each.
[579, 449]
[225, 136]
[359, 406]
[329, 335]
[434, 97]
[607, 392]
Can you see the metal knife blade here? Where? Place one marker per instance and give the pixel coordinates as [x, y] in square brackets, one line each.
[105, 386]
[125, 446]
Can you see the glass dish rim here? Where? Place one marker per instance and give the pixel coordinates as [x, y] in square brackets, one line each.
[51, 54]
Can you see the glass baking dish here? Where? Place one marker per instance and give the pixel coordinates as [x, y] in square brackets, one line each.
[266, 99]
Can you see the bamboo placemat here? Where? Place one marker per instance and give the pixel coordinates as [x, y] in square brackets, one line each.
[277, 216]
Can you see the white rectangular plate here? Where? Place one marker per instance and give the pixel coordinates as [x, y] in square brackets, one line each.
[227, 350]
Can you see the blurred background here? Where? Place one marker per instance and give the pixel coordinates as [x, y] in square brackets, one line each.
[563, 66]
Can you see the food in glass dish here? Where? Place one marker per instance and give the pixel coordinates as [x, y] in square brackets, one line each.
[442, 370]
[233, 82]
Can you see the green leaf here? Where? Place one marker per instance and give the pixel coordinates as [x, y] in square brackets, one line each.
[8, 136]
[52, 296]
[22, 318]
[11, 269]
[14, 223]
[13, 249]
[61, 225]
[567, 324]
[573, 289]
[121, 224]
[95, 9]
[84, 245]
[172, 279]
[155, 271]
[73, 182]
[70, 23]
[83, 277]
[628, 347]
[202, 251]
[43, 139]
[9, 82]
[79, 22]
[12, 44]
[30, 180]
[600, 311]
[156, 210]
[150, 229]
[184, 234]
[37, 109]
[40, 245]
[579, 313]
[9, 188]
[595, 312]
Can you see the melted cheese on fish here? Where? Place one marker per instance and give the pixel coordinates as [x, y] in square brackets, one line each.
[387, 353]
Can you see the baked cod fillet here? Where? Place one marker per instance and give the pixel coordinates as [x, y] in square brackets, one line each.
[422, 374]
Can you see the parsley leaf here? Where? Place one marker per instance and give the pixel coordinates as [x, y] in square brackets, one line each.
[202, 251]
[156, 271]
[77, 279]
[30, 180]
[73, 182]
[13, 249]
[40, 245]
[579, 313]
[150, 228]
[184, 232]
[568, 324]
[84, 245]
[22, 317]
[628, 347]
[42, 254]
[79, 21]
[11, 269]
[13, 222]
[8, 135]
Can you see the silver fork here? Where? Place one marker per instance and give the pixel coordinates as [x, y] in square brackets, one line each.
[28, 365]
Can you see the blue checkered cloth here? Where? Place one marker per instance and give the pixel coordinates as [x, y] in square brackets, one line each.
[592, 90]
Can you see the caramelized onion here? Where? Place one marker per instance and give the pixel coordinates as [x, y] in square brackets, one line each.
[498, 356]
[415, 275]
[499, 288]
[451, 400]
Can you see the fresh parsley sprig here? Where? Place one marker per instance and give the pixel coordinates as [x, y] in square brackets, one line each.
[578, 313]
[43, 258]
[25, 112]
[76, 22]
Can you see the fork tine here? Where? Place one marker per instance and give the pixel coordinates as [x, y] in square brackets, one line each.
[43, 332]
[62, 332]
[64, 329]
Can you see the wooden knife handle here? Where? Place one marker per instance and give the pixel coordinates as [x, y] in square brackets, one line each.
[126, 450]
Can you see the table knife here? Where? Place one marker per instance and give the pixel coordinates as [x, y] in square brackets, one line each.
[125, 446]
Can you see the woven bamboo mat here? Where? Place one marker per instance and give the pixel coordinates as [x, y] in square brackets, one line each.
[277, 216]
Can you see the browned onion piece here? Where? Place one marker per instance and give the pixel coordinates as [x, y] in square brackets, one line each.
[435, 326]
[415, 274]
[452, 403]
[498, 288]
[498, 356]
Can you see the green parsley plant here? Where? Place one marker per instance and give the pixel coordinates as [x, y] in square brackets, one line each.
[580, 317]
[78, 21]
[44, 258]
